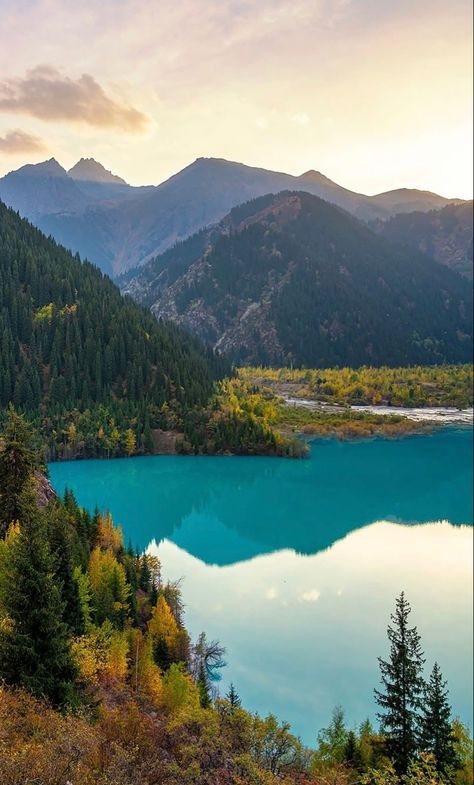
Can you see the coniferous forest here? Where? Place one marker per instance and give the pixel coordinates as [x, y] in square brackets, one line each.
[95, 370]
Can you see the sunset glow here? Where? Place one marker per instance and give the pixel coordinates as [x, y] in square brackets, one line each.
[374, 94]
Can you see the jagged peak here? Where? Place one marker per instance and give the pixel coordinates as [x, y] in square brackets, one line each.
[93, 171]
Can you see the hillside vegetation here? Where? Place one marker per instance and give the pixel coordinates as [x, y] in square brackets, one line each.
[417, 386]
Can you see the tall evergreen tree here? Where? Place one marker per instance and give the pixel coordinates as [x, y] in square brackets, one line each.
[203, 688]
[233, 697]
[437, 735]
[18, 461]
[402, 682]
[34, 647]
[60, 545]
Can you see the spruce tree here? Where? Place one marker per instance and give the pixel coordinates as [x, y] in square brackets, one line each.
[18, 462]
[437, 736]
[145, 574]
[34, 647]
[233, 698]
[402, 682]
[60, 545]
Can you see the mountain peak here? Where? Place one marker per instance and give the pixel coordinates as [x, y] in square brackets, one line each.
[50, 168]
[92, 171]
[314, 176]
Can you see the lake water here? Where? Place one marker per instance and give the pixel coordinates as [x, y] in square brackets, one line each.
[294, 565]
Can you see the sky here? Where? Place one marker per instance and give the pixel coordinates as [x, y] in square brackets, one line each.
[375, 94]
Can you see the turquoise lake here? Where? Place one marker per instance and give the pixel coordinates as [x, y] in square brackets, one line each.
[294, 565]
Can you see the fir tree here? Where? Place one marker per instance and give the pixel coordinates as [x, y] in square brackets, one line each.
[402, 683]
[233, 698]
[34, 648]
[437, 736]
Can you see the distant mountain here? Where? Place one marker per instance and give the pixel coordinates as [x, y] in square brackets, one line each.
[407, 200]
[89, 170]
[202, 194]
[41, 189]
[445, 235]
[292, 279]
[99, 183]
[118, 226]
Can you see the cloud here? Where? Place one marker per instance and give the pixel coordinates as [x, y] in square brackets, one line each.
[48, 95]
[18, 141]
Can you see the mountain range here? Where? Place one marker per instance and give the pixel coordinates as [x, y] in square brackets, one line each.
[293, 279]
[118, 226]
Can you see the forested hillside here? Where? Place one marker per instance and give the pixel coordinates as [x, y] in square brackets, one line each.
[70, 341]
[291, 279]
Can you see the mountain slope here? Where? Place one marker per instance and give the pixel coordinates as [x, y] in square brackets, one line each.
[292, 279]
[69, 339]
[118, 226]
[445, 235]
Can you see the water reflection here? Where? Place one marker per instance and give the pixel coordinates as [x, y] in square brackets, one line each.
[282, 561]
[303, 632]
[225, 510]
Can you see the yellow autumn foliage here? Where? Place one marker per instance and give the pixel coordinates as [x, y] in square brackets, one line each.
[162, 624]
[101, 656]
[109, 537]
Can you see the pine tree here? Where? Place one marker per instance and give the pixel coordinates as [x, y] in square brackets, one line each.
[34, 647]
[403, 685]
[233, 698]
[437, 736]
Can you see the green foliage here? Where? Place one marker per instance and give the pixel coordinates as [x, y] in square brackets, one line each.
[18, 461]
[34, 647]
[437, 736]
[333, 741]
[74, 347]
[400, 699]
[238, 420]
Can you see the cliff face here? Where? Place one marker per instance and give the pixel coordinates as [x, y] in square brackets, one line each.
[44, 490]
